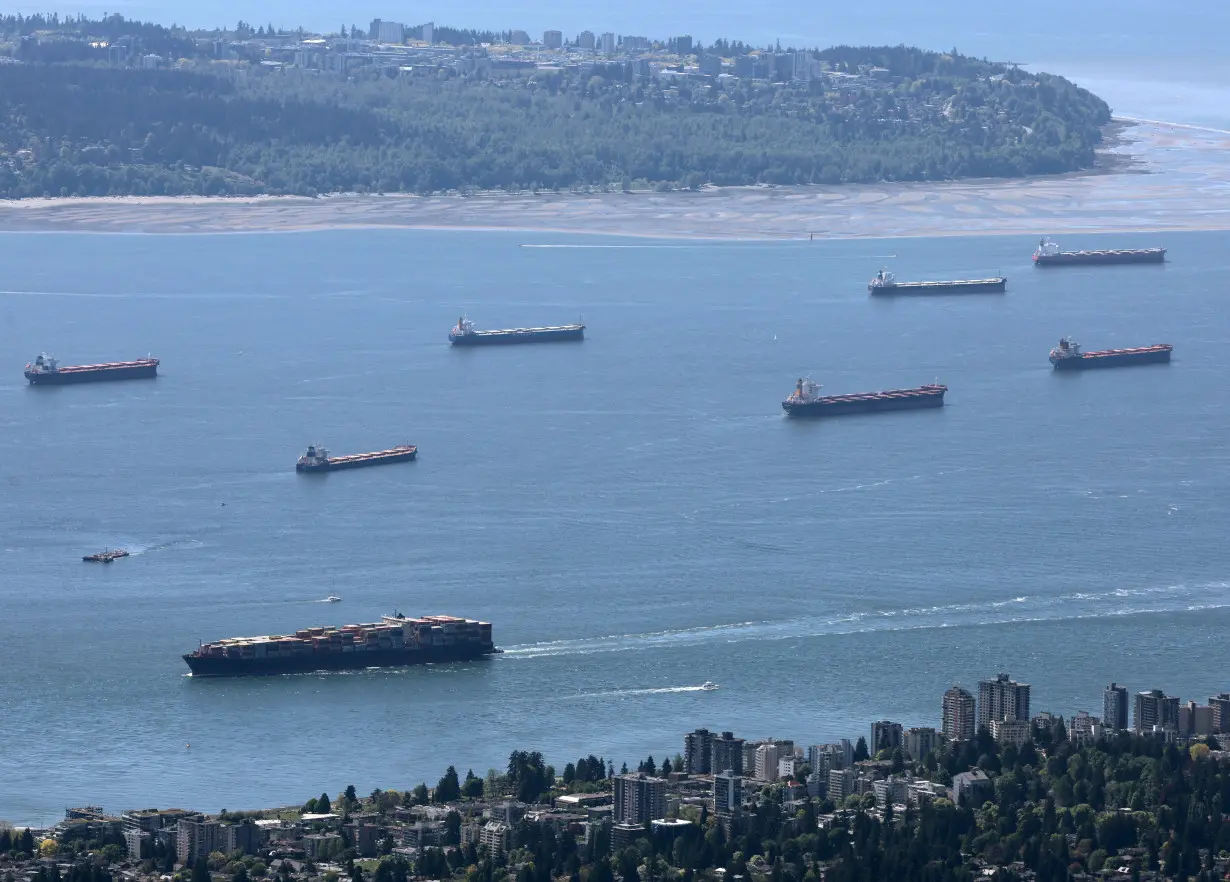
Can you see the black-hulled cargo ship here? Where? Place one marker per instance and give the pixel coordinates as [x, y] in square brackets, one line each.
[805, 400]
[47, 371]
[1067, 356]
[394, 641]
[885, 283]
[1048, 254]
[465, 334]
[317, 459]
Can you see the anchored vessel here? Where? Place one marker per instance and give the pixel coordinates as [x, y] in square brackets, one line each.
[105, 556]
[317, 459]
[1048, 254]
[393, 641]
[1067, 356]
[48, 371]
[805, 400]
[464, 334]
[885, 282]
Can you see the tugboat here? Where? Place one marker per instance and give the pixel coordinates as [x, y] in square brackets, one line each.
[1067, 356]
[105, 556]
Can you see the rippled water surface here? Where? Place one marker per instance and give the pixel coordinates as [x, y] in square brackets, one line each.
[633, 513]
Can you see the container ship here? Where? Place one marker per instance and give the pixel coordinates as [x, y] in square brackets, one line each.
[805, 400]
[464, 334]
[45, 370]
[1067, 356]
[317, 459]
[886, 283]
[1048, 254]
[395, 640]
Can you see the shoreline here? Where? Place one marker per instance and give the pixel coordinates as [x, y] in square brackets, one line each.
[1152, 178]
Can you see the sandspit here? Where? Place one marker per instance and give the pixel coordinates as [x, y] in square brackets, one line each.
[1154, 176]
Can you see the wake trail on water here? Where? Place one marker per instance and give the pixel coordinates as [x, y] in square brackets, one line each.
[1013, 610]
[625, 693]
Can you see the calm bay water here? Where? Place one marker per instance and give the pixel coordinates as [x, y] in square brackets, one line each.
[633, 513]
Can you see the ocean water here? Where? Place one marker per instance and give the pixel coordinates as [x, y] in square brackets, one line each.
[633, 513]
[1148, 58]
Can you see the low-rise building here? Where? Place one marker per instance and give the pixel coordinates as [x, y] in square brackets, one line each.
[1010, 731]
[971, 789]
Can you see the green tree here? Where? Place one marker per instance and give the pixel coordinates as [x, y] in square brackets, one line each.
[449, 788]
[200, 870]
[322, 804]
[860, 750]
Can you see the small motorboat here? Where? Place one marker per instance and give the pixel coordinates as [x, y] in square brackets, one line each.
[333, 598]
[708, 686]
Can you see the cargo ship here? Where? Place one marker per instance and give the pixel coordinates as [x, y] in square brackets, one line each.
[395, 640]
[317, 459]
[805, 400]
[46, 370]
[1067, 356]
[105, 556]
[1048, 254]
[465, 334]
[885, 282]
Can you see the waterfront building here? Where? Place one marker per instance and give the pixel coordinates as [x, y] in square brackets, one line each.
[958, 718]
[639, 798]
[766, 761]
[1195, 720]
[841, 784]
[1010, 731]
[727, 794]
[698, 752]
[1221, 713]
[244, 836]
[1115, 707]
[552, 39]
[1002, 698]
[920, 741]
[1085, 728]
[885, 735]
[1155, 709]
[726, 752]
[786, 766]
[826, 757]
[195, 838]
[495, 837]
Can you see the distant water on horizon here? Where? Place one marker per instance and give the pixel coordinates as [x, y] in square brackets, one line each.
[1146, 58]
[633, 513]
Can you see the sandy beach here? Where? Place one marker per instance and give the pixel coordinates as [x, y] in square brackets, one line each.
[1154, 176]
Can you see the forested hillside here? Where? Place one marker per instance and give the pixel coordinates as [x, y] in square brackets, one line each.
[84, 129]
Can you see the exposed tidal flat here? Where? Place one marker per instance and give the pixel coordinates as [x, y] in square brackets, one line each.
[633, 513]
[1151, 176]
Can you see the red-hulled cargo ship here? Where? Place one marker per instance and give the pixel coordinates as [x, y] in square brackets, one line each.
[806, 400]
[47, 371]
[317, 459]
[395, 640]
[1067, 356]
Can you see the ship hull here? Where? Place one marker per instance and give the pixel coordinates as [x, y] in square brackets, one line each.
[841, 406]
[312, 662]
[1100, 258]
[518, 335]
[1092, 360]
[337, 466]
[986, 286]
[64, 377]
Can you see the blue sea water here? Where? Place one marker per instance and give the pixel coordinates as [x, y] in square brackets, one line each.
[633, 513]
